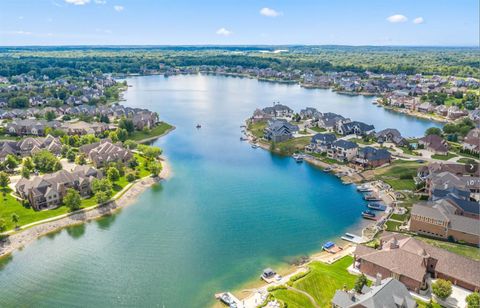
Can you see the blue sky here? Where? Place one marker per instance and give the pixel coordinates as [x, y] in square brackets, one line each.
[194, 22]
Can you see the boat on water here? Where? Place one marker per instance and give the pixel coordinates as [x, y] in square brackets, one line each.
[377, 206]
[364, 188]
[228, 300]
[243, 138]
[254, 146]
[199, 126]
[369, 215]
[371, 197]
[243, 126]
[328, 169]
[298, 158]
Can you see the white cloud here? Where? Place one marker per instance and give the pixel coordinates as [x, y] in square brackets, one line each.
[100, 1]
[397, 18]
[118, 8]
[77, 2]
[224, 32]
[418, 20]
[106, 31]
[270, 12]
[19, 32]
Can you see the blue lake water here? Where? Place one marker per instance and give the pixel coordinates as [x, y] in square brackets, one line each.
[228, 211]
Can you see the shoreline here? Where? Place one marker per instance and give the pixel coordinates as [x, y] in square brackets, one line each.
[156, 137]
[19, 239]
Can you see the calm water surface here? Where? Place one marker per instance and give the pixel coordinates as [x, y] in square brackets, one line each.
[228, 212]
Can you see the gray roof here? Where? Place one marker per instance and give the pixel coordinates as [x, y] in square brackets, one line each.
[345, 144]
[323, 138]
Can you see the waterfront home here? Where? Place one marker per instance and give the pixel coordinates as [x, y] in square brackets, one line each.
[455, 113]
[412, 261]
[329, 120]
[370, 157]
[442, 219]
[47, 191]
[391, 135]
[279, 130]
[84, 128]
[30, 145]
[104, 152]
[354, 127]
[441, 110]
[145, 119]
[383, 293]
[343, 150]
[447, 181]
[425, 107]
[260, 116]
[278, 110]
[34, 127]
[471, 142]
[310, 113]
[429, 170]
[434, 144]
[320, 143]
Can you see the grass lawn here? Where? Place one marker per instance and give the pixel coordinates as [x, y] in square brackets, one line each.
[361, 141]
[422, 304]
[444, 157]
[392, 225]
[324, 279]
[318, 129]
[399, 217]
[399, 174]
[291, 146]
[464, 250]
[292, 299]
[257, 128]
[466, 161]
[158, 130]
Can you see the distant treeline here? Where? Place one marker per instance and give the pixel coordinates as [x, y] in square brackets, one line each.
[76, 60]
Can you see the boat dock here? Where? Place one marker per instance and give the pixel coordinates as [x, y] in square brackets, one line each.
[349, 237]
[229, 299]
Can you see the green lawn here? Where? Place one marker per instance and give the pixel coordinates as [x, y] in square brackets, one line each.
[158, 130]
[444, 157]
[324, 280]
[257, 128]
[464, 250]
[293, 145]
[399, 217]
[422, 304]
[318, 129]
[392, 225]
[361, 141]
[292, 299]
[466, 161]
[399, 174]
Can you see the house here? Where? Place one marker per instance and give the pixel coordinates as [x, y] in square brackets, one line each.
[425, 108]
[310, 113]
[85, 128]
[279, 130]
[354, 127]
[448, 181]
[383, 293]
[145, 119]
[441, 110]
[412, 261]
[329, 121]
[391, 135]
[370, 157]
[441, 219]
[320, 143]
[20, 127]
[435, 144]
[455, 113]
[104, 152]
[47, 191]
[278, 110]
[260, 116]
[471, 142]
[29, 146]
[430, 170]
[343, 150]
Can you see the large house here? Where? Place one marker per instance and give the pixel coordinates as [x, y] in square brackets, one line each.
[370, 157]
[383, 293]
[20, 127]
[279, 130]
[448, 218]
[354, 127]
[472, 141]
[29, 146]
[105, 152]
[260, 116]
[391, 135]
[435, 144]
[320, 143]
[278, 110]
[329, 121]
[145, 119]
[343, 150]
[47, 191]
[412, 261]
[84, 128]
[429, 170]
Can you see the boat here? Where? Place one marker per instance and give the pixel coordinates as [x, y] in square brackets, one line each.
[331, 247]
[199, 126]
[243, 126]
[298, 158]
[242, 138]
[369, 215]
[228, 300]
[377, 206]
[364, 188]
[254, 146]
[370, 197]
[328, 169]
[352, 238]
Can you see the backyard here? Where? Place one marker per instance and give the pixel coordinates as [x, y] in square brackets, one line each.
[157, 131]
[399, 174]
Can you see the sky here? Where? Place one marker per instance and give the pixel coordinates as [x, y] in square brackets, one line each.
[240, 22]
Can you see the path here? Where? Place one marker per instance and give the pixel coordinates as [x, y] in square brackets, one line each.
[314, 303]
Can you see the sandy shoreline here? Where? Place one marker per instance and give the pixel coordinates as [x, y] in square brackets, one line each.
[127, 197]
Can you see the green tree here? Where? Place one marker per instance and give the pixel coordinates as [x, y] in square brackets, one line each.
[70, 155]
[103, 185]
[150, 152]
[126, 124]
[442, 288]
[81, 159]
[122, 134]
[15, 219]
[131, 177]
[433, 131]
[473, 300]
[72, 199]
[4, 181]
[360, 283]
[18, 102]
[50, 115]
[113, 174]
[11, 162]
[101, 197]
[130, 144]
[45, 161]
[28, 163]
[154, 168]
[25, 172]
[3, 225]
[113, 136]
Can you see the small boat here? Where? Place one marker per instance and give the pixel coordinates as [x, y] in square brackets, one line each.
[243, 126]
[328, 169]
[370, 197]
[368, 215]
[242, 138]
[254, 146]
[298, 158]
[199, 126]
[377, 206]
[227, 300]
[364, 188]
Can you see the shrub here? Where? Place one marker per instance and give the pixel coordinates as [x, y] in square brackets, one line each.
[473, 300]
[442, 288]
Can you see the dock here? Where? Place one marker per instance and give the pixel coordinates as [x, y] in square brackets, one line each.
[349, 237]
[229, 299]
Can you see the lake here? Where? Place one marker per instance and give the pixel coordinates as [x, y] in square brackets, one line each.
[228, 211]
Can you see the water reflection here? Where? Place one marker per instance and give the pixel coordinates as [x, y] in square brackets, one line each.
[106, 222]
[76, 232]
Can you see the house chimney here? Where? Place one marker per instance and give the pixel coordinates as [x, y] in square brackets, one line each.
[378, 279]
